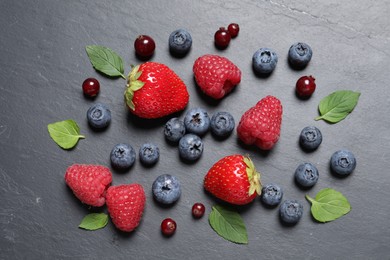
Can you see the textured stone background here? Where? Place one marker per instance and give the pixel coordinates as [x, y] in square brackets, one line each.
[43, 63]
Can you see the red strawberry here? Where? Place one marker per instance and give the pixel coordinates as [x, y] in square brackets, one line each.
[260, 125]
[233, 179]
[126, 203]
[216, 75]
[89, 182]
[154, 90]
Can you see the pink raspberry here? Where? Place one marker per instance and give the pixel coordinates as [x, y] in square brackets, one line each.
[216, 75]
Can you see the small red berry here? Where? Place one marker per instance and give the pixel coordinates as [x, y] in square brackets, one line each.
[222, 38]
[305, 86]
[91, 87]
[168, 227]
[233, 29]
[144, 46]
[198, 210]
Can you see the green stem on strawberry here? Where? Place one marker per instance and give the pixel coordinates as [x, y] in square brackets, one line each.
[253, 177]
[133, 84]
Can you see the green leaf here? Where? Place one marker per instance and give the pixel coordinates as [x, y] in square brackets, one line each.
[336, 106]
[94, 221]
[228, 224]
[329, 205]
[65, 133]
[105, 60]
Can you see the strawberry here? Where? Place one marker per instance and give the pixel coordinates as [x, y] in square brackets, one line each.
[260, 125]
[154, 91]
[216, 75]
[125, 204]
[233, 179]
[89, 182]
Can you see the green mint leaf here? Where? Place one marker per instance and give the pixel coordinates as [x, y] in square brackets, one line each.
[329, 205]
[336, 106]
[65, 133]
[105, 60]
[94, 221]
[228, 224]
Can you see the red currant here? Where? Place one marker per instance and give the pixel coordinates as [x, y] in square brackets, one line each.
[305, 86]
[144, 46]
[91, 87]
[233, 29]
[198, 210]
[222, 38]
[168, 227]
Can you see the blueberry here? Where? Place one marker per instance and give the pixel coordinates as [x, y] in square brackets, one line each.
[343, 162]
[271, 194]
[222, 124]
[299, 55]
[180, 42]
[290, 211]
[197, 121]
[122, 156]
[174, 129]
[166, 189]
[149, 153]
[310, 138]
[264, 61]
[306, 175]
[99, 116]
[190, 147]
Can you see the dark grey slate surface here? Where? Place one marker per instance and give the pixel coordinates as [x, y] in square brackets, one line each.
[42, 66]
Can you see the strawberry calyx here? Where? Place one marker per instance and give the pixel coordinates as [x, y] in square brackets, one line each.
[132, 85]
[253, 177]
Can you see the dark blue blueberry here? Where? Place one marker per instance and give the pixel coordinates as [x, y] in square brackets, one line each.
[122, 156]
[306, 175]
[149, 153]
[190, 147]
[343, 162]
[174, 129]
[222, 124]
[310, 138]
[99, 116]
[166, 189]
[264, 61]
[180, 42]
[299, 55]
[290, 211]
[197, 121]
[271, 194]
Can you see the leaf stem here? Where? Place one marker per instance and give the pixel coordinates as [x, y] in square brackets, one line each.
[318, 118]
[309, 198]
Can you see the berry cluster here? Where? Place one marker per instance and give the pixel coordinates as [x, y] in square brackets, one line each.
[187, 133]
[216, 76]
[223, 36]
[306, 175]
[179, 41]
[123, 155]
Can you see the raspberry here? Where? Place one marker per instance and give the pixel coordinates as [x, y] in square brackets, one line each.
[260, 125]
[89, 182]
[126, 204]
[216, 75]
